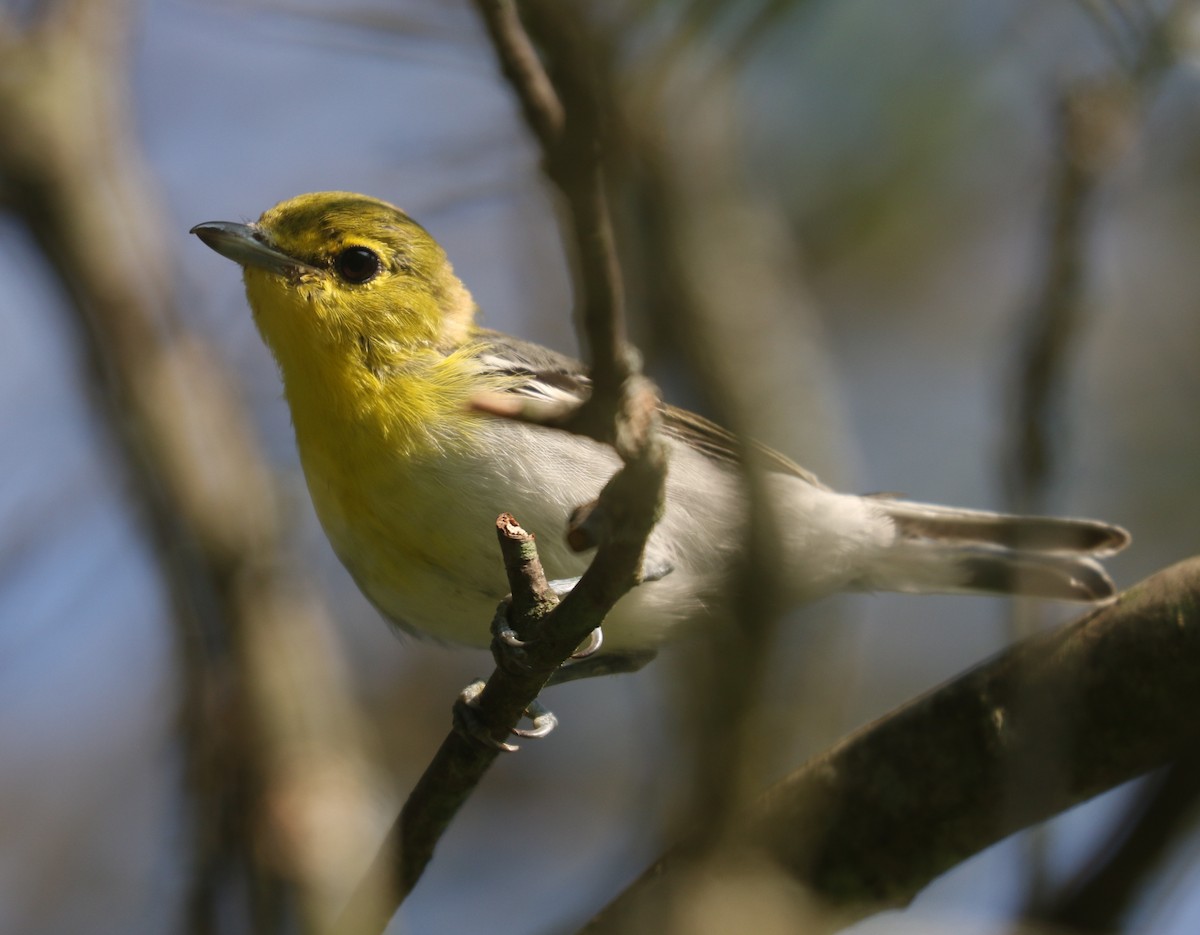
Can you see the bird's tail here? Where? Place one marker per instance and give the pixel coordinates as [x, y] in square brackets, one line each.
[940, 549]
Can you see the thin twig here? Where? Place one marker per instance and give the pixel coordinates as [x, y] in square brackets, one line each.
[571, 134]
[532, 596]
[521, 66]
[461, 761]
[631, 499]
[622, 411]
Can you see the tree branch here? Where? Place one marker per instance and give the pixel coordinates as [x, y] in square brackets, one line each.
[1095, 122]
[461, 761]
[872, 821]
[552, 630]
[71, 172]
[570, 135]
[521, 66]
[1101, 894]
[622, 411]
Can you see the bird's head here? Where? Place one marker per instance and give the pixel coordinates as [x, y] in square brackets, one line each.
[344, 273]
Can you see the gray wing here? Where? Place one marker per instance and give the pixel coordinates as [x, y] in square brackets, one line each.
[549, 375]
[543, 374]
[723, 446]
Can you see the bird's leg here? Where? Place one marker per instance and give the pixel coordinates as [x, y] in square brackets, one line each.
[584, 662]
[543, 721]
[467, 722]
[508, 649]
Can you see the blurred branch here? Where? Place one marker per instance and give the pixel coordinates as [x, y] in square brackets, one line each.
[1094, 127]
[562, 106]
[764, 20]
[521, 66]
[709, 248]
[718, 277]
[1095, 124]
[872, 821]
[1100, 896]
[734, 27]
[269, 737]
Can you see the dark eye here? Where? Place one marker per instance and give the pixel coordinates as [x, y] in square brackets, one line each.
[357, 264]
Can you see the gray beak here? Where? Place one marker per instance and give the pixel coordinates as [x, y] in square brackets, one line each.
[246, 245]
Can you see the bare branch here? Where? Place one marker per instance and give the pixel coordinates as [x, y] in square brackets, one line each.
[1094, 126]
[1095, 122]
[531, 593]
[571, 146]
[521, 66]
[622, 411]
[872, 821]
[552, 630]
[1091, 120]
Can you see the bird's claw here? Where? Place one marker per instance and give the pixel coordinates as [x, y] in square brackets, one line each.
[543, 721]
[508, 649]
[468, 723]
[591, 644]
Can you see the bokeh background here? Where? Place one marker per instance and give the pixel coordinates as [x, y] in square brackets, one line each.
[906, 155]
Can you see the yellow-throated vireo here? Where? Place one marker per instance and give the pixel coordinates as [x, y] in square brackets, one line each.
[380, 354]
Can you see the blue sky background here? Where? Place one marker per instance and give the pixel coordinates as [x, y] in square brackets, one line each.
[907, 143]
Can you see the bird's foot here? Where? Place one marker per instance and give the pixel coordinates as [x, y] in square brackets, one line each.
[510, 651]
[468, 723]
[542, 719]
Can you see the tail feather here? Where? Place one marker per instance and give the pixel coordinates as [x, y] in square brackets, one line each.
[1050, 576]
[1032, 533]
[939, 549]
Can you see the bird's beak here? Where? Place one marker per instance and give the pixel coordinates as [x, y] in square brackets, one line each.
[247, 245]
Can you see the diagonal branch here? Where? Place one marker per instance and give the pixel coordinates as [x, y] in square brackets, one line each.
[622, 411]
[872, 821]
[552, 630]
[570, 135]
[521, 66]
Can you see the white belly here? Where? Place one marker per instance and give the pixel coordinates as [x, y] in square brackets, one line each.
[420, 540]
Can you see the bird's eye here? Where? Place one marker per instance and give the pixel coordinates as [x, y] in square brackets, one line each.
[357, 265]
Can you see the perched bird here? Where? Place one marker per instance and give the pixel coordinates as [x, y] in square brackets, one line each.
[380, 355]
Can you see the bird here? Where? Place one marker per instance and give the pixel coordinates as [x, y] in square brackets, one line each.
[380, 353]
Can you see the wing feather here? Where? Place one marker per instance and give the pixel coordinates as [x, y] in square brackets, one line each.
[550, 376]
